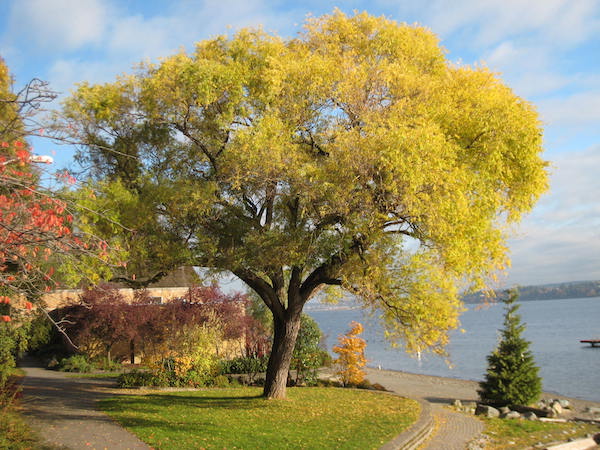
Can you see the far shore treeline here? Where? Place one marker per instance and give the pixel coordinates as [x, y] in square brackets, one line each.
[554, 291]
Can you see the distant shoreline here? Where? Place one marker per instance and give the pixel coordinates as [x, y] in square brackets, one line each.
[348, 305]
[555, 291]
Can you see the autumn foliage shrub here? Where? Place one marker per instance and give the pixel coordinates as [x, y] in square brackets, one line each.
[180, 341]
[187, 355]
[351, 359]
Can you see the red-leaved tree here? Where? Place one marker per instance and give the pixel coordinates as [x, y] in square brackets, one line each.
[36, 223]
[103, 318]
[33, 225]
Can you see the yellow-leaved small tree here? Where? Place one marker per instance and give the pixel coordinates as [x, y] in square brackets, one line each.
[352, 359]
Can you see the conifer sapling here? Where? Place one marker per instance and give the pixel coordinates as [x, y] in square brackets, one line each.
[512, 376]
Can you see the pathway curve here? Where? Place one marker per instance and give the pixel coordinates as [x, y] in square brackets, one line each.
[62, 410]
[453, 430]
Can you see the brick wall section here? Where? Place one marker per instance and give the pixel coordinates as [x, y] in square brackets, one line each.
[64, 297]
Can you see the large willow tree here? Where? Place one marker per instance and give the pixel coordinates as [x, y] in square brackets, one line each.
[354, 155]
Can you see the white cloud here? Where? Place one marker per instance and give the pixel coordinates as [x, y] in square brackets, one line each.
[525, 68]
[553, 258]
[65, 73]
[582, 108]
[491, 21]
[560, 240]
[509, 54]
[59, 24]
[143, 38]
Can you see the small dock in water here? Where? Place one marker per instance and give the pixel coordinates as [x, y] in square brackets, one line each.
[592, 342]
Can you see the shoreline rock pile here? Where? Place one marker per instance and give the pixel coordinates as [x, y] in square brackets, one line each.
[547, 409]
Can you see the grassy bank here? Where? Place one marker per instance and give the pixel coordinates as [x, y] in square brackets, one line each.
[239, 418]
[15, 434]
[518, 434]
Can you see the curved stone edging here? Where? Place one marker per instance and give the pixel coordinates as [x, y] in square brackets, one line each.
[416, 433]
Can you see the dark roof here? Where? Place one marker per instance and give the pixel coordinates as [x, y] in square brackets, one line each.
[184, 276]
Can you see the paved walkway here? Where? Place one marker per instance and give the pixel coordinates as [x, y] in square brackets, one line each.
[62, 410]
[453, 430]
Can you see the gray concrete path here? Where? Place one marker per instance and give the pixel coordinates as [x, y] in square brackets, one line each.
[62, 410]
[453, 430]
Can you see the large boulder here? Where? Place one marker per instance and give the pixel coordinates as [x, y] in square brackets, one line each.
[487, 411]
[556, 408]
[566, 404]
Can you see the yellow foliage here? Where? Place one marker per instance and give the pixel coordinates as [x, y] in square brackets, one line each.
[190, 347]
[354, 154]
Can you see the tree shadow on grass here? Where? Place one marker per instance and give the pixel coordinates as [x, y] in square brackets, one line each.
[158, 401]
[182, 417]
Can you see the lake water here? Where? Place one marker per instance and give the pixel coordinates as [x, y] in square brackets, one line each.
[554, 328]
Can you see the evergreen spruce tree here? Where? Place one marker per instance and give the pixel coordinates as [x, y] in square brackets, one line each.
[512, 376]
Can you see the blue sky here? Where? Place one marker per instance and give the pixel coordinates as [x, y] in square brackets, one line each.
[548, 51]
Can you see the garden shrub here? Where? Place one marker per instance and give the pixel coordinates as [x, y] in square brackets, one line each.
[108, 365]
[187, 357]
[13, 341]
[135, 378]
[41, 333]
[7, 359]
[76, 363]
[247, 365]
[220, 381]
[308, 355]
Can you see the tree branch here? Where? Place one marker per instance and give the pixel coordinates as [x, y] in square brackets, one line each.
[139, 284]
[326, 273]
[263, 289]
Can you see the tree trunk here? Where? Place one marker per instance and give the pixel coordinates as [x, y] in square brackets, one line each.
[132, 351]
[284, 340]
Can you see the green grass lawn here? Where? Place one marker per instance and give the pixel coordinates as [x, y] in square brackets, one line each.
[317, 418]
[99, 375]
